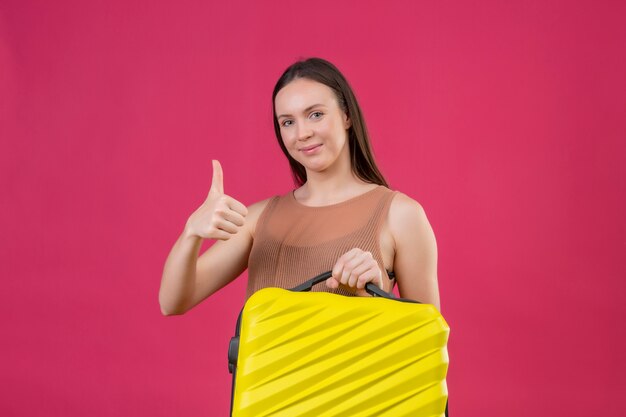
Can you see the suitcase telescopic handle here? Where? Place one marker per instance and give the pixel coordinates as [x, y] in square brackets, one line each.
[372, 289]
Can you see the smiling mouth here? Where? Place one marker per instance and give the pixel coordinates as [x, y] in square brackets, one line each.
[310, 147]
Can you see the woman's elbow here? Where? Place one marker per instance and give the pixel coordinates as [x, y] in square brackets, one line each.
[172, 311]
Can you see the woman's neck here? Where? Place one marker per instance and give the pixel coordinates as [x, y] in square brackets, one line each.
[322, 190]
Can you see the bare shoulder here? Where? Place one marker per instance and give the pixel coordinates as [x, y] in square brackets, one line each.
[406, 216]
[255, 209]
[404, 209]
[254, 212]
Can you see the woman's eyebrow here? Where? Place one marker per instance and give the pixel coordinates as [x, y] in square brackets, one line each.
[304, 111]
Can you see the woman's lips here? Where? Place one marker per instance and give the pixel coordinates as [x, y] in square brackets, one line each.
[311, 149]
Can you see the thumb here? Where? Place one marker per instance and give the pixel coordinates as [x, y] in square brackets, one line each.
[217, 183]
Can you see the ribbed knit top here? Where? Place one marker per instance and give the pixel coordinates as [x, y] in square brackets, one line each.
[294, 242]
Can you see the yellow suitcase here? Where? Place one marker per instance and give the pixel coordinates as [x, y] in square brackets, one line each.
[318, 354]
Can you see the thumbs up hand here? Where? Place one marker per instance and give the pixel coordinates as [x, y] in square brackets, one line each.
[220, 216]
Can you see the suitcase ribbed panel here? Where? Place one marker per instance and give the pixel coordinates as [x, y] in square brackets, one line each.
[320, 355]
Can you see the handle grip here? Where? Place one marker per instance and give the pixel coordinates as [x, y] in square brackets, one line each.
[372, 289]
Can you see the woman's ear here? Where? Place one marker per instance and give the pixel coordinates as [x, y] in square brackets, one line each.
[347, 122]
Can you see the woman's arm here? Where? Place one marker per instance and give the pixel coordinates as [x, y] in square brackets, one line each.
[415, 261]
[187, 279]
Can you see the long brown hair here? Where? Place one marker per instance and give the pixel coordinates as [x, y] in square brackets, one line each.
[361, 157]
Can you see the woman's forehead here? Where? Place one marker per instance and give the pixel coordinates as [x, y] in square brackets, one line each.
[301, 94]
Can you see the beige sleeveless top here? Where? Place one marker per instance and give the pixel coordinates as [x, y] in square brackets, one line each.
[294, 242]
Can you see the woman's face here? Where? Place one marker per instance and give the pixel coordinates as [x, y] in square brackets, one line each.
[312, 125]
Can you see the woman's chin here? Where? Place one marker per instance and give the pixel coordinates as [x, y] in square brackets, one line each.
[316, 167]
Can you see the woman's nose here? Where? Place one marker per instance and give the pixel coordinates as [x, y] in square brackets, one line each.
[304, 131]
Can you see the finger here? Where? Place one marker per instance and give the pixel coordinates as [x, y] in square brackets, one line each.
[233, 217]
[357, 259]
[221, 235]
[339, 265]
[359, 265]
[217, 182]
[371, 275]
[236, 206]
[337, 269]
[357, 272]
[226, 226]
[332, 283]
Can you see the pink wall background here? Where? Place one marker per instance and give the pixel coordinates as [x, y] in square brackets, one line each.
[505, 120]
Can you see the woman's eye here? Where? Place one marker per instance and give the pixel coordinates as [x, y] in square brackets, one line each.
[284, 124]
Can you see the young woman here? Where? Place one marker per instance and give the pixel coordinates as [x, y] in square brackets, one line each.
[341, 217]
